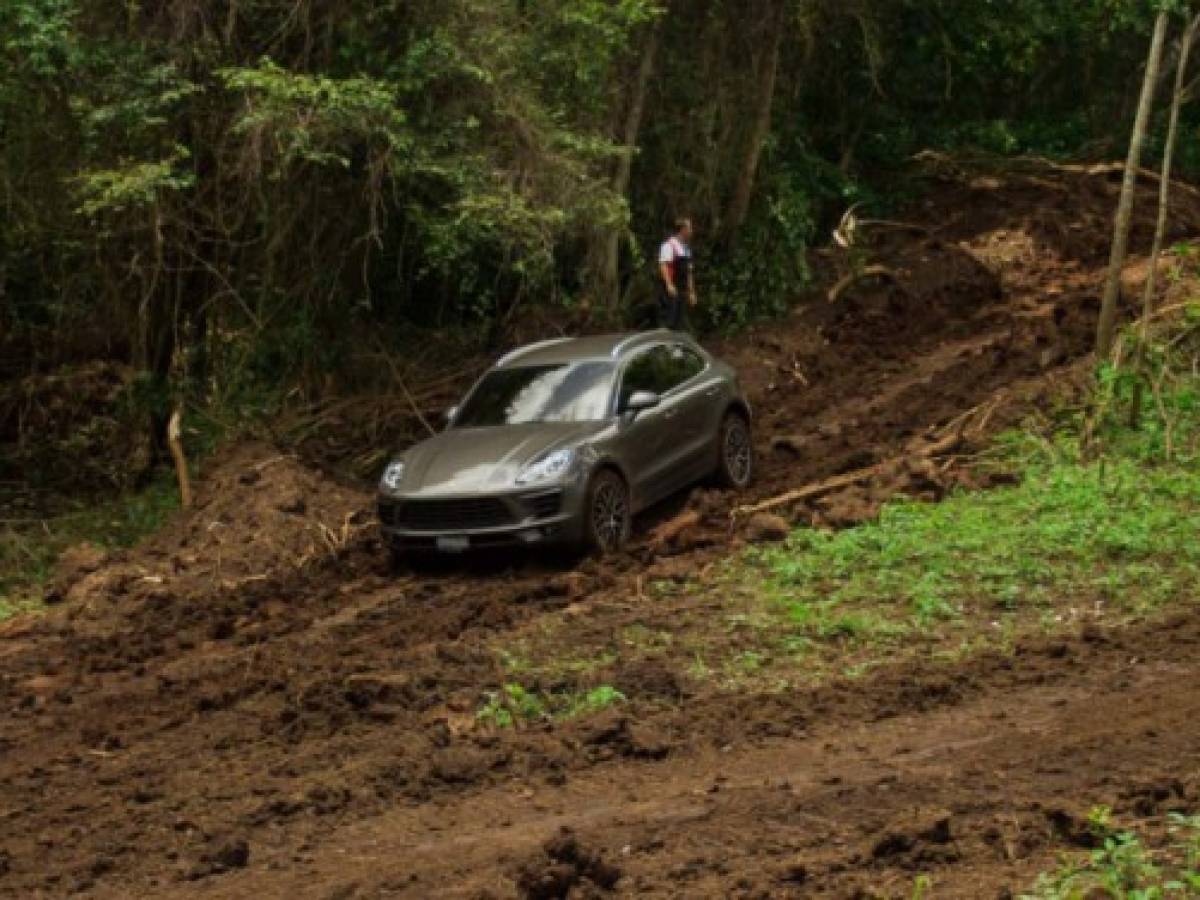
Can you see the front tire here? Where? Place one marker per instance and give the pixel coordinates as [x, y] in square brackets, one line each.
[735, 452]
[608, 514]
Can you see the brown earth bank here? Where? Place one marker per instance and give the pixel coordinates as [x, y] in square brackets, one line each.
[251, 703]
[975, 775]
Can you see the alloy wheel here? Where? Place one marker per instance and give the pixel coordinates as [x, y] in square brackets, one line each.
[610, 513]
[738, 453]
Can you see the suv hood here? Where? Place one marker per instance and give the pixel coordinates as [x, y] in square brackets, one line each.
[468, 460]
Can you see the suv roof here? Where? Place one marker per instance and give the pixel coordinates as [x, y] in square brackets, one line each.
[601, 346]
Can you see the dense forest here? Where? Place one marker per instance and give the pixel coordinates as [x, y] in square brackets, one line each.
[221, 196]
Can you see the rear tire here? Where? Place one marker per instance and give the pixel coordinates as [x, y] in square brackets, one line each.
[735, 452]
[608, 516]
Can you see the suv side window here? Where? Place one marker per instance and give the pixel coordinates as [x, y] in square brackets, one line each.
[688, 363]
[659, 369]
[644, 373]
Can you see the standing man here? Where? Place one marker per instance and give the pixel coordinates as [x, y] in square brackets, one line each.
[675, 277]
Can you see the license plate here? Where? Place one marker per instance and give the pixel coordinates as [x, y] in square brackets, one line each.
[453, 544]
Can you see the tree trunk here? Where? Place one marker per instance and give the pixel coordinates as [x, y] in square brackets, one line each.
[1120, 244]
[761, 127]
[604, 252]
[1160, 228]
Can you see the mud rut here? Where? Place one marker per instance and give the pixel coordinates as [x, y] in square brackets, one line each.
[204, 717]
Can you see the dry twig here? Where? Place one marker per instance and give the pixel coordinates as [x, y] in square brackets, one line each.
[838, 290]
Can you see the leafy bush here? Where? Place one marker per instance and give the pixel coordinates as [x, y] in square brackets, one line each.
[1124, 868]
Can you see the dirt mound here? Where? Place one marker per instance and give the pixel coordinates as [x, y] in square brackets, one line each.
[226, 572]
[258, 513]
[564, 867]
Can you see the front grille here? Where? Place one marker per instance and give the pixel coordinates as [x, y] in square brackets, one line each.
[543, 506]
[448, 515]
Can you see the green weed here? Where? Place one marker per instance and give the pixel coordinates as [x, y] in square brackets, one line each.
[1124, 868]
[28, 554]
[516, 703]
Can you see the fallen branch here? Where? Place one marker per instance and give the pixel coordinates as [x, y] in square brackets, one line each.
[942, 445]
[175, 443]
[836, 292]
[1114, 168]
[412, 402]
[668, 531]
[949, 440]
[1028, 162]
[809, 491]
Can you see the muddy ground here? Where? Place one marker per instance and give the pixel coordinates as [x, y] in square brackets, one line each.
[252, 705]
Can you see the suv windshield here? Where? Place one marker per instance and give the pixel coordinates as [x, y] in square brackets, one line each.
[575, 392]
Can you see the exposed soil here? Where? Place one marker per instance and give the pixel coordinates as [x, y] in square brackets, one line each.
[251, 704]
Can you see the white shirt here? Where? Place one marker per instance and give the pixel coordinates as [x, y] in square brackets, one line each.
[672, 249]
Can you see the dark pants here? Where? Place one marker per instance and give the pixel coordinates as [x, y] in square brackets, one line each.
[672, 311]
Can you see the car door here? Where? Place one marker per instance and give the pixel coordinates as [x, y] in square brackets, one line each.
[658, 444]
[643, 436]
[694, 397]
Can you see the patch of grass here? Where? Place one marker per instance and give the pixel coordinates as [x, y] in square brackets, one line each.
[29, 550]
[516, 703]
[645, 639]
[519, 663]
[1125, 867]
[1122, 534]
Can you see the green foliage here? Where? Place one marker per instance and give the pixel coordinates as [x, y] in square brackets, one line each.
[222, 199]
[134, 185]
[768, 267]
[38, 35]
[295, 118]
[516, 703]
[581, 42]
[1124, 868]
[28, 554]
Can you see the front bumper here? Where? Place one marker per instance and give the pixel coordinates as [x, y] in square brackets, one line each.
[546, 515]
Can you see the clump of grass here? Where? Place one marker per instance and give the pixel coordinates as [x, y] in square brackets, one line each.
[29, 550]
[1124, 867]
[514, 703]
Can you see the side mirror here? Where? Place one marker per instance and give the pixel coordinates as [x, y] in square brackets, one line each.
[641, 400]
[450, 414]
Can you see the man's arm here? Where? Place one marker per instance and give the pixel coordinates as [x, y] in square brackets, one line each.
[666, 258]
[664, 271]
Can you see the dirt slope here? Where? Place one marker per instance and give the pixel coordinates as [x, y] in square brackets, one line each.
[977, 777]
[251, 705]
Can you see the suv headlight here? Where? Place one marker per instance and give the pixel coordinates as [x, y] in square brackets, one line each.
[550, 467]
[392, 476]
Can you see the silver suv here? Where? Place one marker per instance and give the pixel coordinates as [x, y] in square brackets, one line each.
[564, 441]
